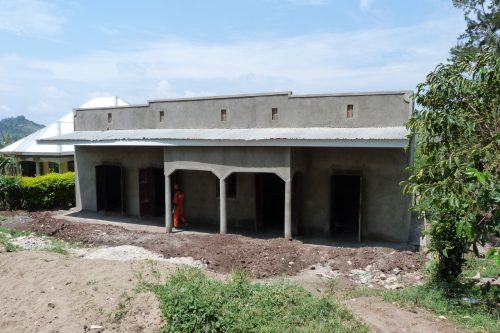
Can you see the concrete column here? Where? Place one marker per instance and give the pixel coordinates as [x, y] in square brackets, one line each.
[288, 208]
[222, 197]
[37, 166]
[61, 167]
[168, 205]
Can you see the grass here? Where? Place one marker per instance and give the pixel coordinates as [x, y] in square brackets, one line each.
[6, 236]
[447, 299]
[192, 302]
[54, 245]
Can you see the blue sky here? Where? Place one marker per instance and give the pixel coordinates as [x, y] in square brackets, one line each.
[56, 55]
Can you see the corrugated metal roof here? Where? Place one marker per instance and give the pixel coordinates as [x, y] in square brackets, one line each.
[243, 135]
[29, 145]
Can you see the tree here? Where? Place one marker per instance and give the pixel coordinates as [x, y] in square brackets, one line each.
[483, 26]
[457, 179]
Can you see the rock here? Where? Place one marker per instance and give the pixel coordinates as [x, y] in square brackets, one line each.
[51, 305]
[291, 263]
[312, 268]
[349, 262]
[358, 272]
[442, 317]
[393, 286]
[391, 279]
[96, 327]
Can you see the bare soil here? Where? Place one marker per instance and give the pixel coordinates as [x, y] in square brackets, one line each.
[383, 317]
[49, 292]
[262, 258]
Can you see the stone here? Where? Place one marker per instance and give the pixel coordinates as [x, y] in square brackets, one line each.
[51, 305]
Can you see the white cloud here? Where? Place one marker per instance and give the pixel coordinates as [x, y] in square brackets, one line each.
[30, 17]
[163, 90]
[365, 4]
[309, 59]
[375, 59]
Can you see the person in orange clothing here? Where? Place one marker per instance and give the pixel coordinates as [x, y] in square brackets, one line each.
[179, 200]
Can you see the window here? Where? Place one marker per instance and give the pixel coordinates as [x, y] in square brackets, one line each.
[162, 116]
[110, 117]
[350, 110]
[274, 114]
[230, 187]
[71, 166]
[223, 115]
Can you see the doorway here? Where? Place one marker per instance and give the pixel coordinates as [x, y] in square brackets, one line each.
[270, 201]
[151, 192]
[28, 168]
[346, 206]
[109, 188]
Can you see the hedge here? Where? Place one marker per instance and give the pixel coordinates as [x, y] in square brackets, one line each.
[50, 191]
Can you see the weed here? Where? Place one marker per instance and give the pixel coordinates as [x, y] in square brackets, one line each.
[121, 309]
[450, 300]
[192, 302]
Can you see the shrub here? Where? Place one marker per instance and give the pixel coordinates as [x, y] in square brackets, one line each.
[10, 193]
[44, 192]
[192, 302]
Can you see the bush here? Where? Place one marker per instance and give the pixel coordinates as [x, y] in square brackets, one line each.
[10, 193]
[192, 302]
[44, 192]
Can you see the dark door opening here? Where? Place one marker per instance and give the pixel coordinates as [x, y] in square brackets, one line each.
[28, 168]
[151, 192]
[109, 188]
[270, 195]
[345, 205]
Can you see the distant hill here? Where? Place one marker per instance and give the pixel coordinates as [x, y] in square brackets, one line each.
[15, 128]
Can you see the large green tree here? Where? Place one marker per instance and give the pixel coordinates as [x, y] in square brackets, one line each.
[456, 181]
[483, 27]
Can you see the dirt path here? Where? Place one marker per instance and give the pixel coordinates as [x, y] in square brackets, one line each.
[383, 317]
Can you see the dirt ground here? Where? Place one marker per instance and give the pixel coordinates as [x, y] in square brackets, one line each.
[49, 292]
[82, 292]
[223, 253]
[384, 317]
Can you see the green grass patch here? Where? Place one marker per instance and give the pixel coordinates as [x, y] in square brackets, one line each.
[192, 302]
[448, 299]
[485, 267]
[6, 236]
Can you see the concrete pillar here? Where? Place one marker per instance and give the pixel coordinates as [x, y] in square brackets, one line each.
[37, 166]
[222, 197]
[168, 205]
[61, 167]
[288, 208]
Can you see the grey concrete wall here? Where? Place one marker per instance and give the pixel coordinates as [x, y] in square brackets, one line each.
[202, 206]
[384, 213]
[375, 110]
[223, 161]
[130, 158]
[384, 209]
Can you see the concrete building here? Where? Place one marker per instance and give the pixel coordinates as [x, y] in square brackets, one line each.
[34, 159]
[326, 164]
